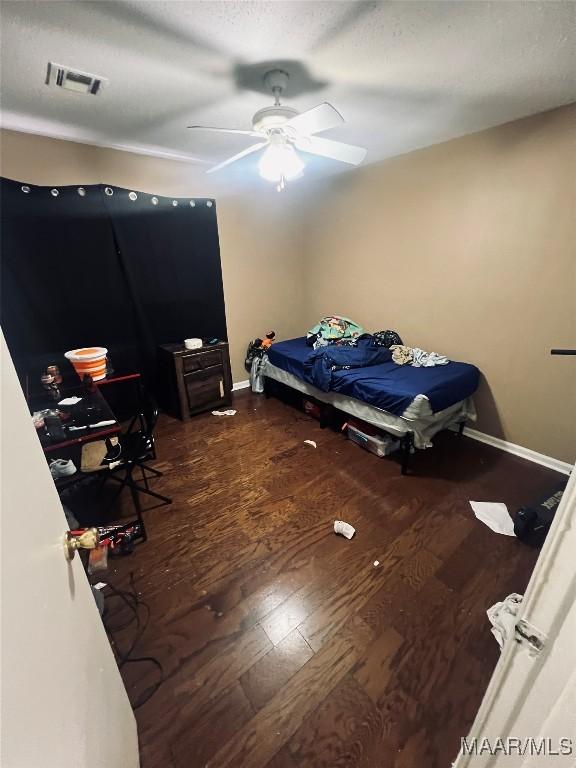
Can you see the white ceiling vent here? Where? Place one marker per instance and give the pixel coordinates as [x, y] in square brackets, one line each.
[73, 80]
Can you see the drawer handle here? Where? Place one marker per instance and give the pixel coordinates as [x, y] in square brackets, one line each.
[221, 388]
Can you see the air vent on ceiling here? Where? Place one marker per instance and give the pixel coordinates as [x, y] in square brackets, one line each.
[73, 80]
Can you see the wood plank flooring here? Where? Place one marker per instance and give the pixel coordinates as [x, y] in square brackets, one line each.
[283, 645]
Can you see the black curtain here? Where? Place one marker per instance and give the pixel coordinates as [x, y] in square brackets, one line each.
[171, 259]
[102, 265]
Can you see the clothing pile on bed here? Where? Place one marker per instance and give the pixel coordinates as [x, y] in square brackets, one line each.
[416, 357]
[334, 330]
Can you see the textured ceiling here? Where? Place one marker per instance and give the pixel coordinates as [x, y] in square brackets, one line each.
[403, 74]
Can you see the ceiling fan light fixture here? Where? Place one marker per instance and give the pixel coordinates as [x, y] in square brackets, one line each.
[280, 161]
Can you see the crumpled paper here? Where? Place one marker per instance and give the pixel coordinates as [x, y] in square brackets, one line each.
[495, 515]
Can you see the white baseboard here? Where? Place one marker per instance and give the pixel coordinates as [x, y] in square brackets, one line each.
[240, 385]
[519, 450]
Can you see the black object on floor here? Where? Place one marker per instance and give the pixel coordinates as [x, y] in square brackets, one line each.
[531, 524]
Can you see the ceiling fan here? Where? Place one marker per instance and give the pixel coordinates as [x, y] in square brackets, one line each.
[283, 130]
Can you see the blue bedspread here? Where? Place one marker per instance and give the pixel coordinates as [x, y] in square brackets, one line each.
[387, 385]
[321, 364]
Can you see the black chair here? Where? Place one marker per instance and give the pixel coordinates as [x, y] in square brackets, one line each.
[136, 447]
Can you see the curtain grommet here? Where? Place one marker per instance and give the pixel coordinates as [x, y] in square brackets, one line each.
[133, 196]
[54, 192]
[109, 191]
[192, 203]
[174, 203]
[81, 191]
[25, 188]
[154, 201]
[209, 203]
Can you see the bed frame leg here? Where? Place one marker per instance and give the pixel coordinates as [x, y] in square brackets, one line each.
[324, 416]
[461, 426]
[407, 445]
[266, 388]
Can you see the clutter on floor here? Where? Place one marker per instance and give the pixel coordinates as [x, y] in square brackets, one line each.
[312, 409]
[502, 616]
[495, 515]
[62, 468]
[227, 412]
[311, 442]
[532, 523]
[255, 360]
[256, 376]
[370, 439]
[345, 529]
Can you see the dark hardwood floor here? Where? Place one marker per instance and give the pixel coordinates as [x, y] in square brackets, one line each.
[282, 644]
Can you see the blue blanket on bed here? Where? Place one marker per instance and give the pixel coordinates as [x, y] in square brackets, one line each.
[322, 363]
[386, 385]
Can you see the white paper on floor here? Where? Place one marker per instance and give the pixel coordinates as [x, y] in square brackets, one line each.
[344, 528]
[502, 616]
[310, 442]
[495, 515]
[228, 412]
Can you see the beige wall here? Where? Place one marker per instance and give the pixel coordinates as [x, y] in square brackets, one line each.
[260, 249]
[466, 248]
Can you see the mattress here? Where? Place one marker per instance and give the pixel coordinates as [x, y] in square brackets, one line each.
[401, 390]
[417, 418]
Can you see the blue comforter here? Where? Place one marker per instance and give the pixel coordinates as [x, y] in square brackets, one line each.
[322, 363]
[385, 385]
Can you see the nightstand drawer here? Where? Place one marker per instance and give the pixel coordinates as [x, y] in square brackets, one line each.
[201, 360]
[204, 388]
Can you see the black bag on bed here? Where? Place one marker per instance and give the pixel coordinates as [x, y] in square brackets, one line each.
[387, 338]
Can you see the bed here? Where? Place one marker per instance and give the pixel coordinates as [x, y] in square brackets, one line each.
[410, 403]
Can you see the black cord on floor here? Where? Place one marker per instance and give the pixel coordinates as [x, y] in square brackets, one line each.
[136, 607]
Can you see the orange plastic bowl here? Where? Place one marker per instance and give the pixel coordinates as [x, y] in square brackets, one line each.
[89, 360]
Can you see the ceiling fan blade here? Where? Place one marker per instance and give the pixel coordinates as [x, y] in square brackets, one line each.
[337, 150]
[223, 130]
[239, 156]
[320, 118]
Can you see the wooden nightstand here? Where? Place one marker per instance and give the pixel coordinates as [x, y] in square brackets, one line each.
[194, 380]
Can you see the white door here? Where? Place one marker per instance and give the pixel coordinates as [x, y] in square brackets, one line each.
[530, 704]
[63, 703]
